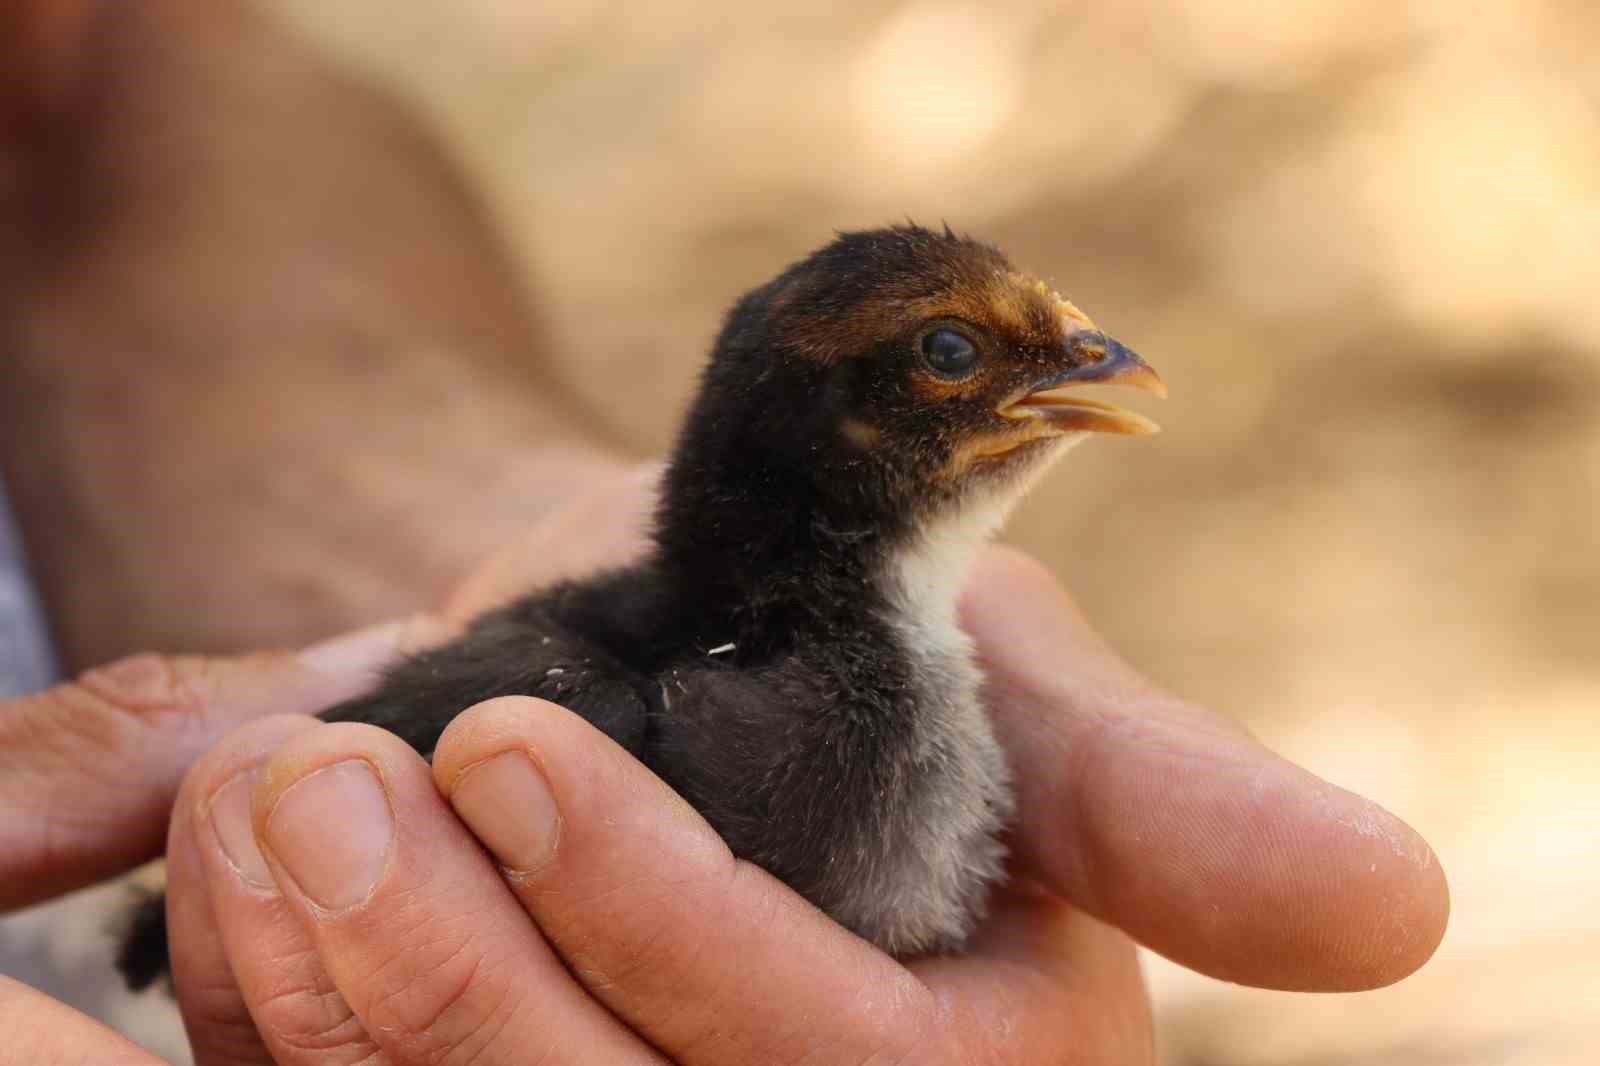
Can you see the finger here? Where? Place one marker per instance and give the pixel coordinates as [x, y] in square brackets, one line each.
[712, 959]
[412, 921]
[214, 1013]
[89, 769]
[606, 525]
[1175, 826]
[1052, 979]
[250, 984]
[36, 1030]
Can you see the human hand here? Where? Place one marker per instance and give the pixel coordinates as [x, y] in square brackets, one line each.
[1247, 869]
[89, 768]
[387, 932]
[87, 772]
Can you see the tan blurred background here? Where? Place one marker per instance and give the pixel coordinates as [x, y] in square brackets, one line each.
[1358, 239]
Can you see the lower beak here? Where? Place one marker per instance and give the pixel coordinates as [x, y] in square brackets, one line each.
[1113, 364]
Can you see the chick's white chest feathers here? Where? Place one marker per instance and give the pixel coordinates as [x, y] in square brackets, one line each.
[923, 581]
[929, 891]
[922, 584]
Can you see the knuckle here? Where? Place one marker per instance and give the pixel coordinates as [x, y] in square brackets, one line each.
[148, 683]
[900, 1025]
[218, 1021]
[347, 1033]
[309, 1018]
[644, 932]
[442, 998]
[73, 741]
[892, 1023]
[235, 1041]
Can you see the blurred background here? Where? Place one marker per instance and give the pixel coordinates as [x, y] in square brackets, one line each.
[1358, 240]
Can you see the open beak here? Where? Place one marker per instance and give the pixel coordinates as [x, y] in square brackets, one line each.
[1112, 363]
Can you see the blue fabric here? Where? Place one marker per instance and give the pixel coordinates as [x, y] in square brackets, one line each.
[27, 661]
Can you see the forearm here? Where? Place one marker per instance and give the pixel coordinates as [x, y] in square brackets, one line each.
[268, 374]
[272, 504]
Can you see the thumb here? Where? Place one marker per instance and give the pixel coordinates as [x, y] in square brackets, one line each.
[89, 768]
[1165, 820]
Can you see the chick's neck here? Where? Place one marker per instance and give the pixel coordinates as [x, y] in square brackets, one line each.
[749, 534]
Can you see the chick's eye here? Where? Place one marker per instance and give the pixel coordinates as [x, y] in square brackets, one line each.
[949, 353]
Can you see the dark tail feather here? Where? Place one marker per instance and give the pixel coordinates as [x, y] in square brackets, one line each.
[143, 958]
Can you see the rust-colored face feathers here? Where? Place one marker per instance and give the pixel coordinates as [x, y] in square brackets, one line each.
[870, 287]
[924, 354]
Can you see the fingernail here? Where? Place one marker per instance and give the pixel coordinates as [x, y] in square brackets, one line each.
[363, 652]
[229, 811]
[332, 831]
[507, 804]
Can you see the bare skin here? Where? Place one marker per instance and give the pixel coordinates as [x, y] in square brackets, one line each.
[269, 374]
[1248, 868]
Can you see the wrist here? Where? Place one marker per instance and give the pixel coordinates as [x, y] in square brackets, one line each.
[227, 509]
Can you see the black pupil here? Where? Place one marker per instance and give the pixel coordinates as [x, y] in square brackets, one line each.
[949, 352]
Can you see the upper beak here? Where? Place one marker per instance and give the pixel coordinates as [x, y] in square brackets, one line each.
[1110, 363]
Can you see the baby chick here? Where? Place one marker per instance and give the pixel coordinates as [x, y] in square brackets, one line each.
[788, 656]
